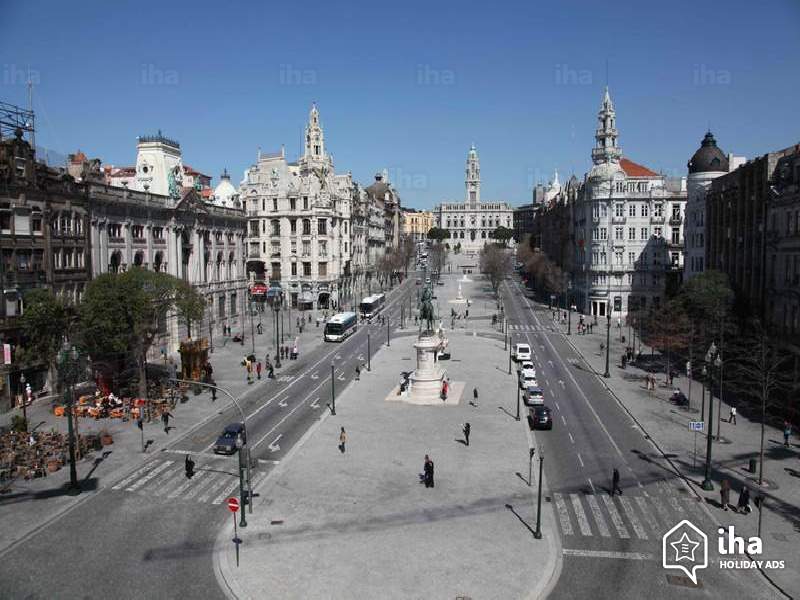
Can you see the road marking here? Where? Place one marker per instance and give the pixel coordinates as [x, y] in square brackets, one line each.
[227, 491]
[563, 514]
[571, 439]
[607, 554]
[206, 481]
[341, 376]
[563, 420]
[615, 518]
[337, 357]
[631, 514]
[134, 475]
[219, 478]
[561, 383]
[591, 485]
[360, 357]
[274, 446]
[180, 489]
[315, 403]
[315, 375]
[283, 403]
[648, 514]
[557, 406]
[598, 516]
[583, 522]
[662, 512]
[150, 475]
[177, 477]
[580, 460]
[694, 507]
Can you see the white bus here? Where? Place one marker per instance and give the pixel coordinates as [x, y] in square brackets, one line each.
[340, 326]
[372, 305]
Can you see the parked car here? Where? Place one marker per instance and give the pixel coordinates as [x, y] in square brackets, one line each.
[533, 396]
[679, 398]
[521, 352]
[541, 417]
[527, 378]
[226, 443]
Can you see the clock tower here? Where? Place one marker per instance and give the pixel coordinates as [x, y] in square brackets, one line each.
[473, 179]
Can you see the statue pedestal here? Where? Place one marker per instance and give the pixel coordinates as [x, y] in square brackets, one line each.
[426, 380]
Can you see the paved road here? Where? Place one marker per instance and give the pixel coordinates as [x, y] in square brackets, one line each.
[612, 545]
[151, 533]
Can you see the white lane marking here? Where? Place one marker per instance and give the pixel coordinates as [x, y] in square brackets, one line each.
[221, 479]
[563, 514]
[315, 375]
[206, 481]
[547, 382]
[627, 508]
[662, 511]
[341, 376]
[580, 460]
[180, 489]
[283, 403]
[557, 406]
[591, 485]
[315, 403]
[694, 507]
[274, 446]
[615, 518]
[134, 475]
[608, 554]
[583, 522]
[561, 383]
[571, 439]
[150, 475]
[598, 516]
[563, 420]
[648, 514]
[177, 477]
[227, 491]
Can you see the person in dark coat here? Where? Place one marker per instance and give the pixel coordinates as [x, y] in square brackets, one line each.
[475, 396]
[427, 469]
[615, 482]
[743, 505]
[467, 429]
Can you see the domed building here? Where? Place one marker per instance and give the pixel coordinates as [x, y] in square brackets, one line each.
[225, 194]
[705, 165]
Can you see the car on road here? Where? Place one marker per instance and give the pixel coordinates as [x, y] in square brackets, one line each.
[525, 364]
[527, 378]
[533, 396]
[226, 443]
[541, 417]
[521, 352]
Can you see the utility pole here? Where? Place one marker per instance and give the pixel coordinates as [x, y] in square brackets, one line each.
[388, 341]
[608, 343]
[369, 352]
[333, 393]
[517, 386]
[252, 336]
[538, 533]
[711, 358]
[509, 360]
[68, 359]
[240, 444]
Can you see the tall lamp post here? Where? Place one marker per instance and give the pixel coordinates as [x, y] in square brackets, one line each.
[538, 533]
[607, 374]
[333, 390]
[276, 306]
[712, 357]
[68, 360]
[22, 393]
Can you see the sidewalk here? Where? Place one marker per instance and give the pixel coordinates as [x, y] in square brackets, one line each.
[668, 428]
[359, 524]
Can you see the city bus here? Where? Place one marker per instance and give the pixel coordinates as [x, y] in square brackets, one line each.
[372, 305]
[340, 326]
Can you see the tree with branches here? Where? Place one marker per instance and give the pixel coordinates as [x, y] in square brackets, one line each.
[502, 235]
[495, 262]
[670, 331]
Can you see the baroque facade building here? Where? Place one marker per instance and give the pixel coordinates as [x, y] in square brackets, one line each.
[417, 224]
[299, 234]
[628, 230]
[471, 223]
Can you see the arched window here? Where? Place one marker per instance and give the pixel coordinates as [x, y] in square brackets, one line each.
[231, 267]
[138, 259]
[275, 225]
[158, 262]
[219, 267]
[114, 262]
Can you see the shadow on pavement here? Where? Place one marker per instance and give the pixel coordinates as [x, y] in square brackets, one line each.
[89, 485]
[521, 520]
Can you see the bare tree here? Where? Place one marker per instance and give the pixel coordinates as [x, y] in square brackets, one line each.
[496, 264]
[670, 331]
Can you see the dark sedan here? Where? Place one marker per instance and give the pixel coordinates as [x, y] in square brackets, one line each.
[226, 443]
[541, 417]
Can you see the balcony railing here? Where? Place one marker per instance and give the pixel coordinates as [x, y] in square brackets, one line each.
[112, 239]
[675, 220]
[619, 220]
[159, 242]
[655, 219]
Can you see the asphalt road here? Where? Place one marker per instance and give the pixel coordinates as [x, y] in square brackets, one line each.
[611, 545]
[151, 533]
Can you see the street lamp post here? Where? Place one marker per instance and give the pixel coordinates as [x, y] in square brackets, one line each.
[333, 392]
[240, 445]
[388, 341]
[68, 359]
[703, 392]
[509, 360]
[369, 353]
[517, 386]
[252, 333]
[712, 358]
[607, 374]
[277, 307]
[538, 533]
[24, 400]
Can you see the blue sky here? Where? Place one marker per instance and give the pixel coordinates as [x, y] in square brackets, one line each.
[408, 86]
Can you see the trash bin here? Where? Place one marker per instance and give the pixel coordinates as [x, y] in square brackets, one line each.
[752, 467]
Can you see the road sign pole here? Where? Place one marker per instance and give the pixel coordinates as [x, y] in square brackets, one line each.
[694, 458]
[243, 520]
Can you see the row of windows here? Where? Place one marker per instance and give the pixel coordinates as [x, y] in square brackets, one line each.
[600, 209]
[492, 222]
[322, 270]
[275, 227]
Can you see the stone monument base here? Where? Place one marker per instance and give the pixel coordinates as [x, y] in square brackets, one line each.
[453, 396]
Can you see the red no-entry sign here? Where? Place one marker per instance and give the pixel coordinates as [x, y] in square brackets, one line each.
[233, 504]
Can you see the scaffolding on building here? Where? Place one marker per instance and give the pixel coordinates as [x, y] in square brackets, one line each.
[14, 118]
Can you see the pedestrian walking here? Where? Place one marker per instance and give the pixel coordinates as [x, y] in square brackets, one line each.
[467, 428]
[259, 329]
[615, 482]
[213, 389]
[475, 397]
[787, 431]
[358, 373]
[732, 417]
[428, 472]
[725, 493]
[165, 416]
[743, 505]
[342, 440]
[249, 368]
[258, 369]
[444, 390]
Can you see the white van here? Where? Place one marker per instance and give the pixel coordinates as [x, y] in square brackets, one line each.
[522, 352]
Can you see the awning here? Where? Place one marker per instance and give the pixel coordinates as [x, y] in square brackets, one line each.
[274, 291]
[306, 297]
[258, 289]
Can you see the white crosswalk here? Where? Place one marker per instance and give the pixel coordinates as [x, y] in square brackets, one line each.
[623, 517]
[531, 328]
[212, 483]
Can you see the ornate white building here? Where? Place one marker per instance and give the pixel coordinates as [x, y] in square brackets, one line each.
[628, 229]
[472, 222]
[299, 235]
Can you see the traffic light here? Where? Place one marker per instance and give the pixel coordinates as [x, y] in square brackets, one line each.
[189, 467]
[531, 452]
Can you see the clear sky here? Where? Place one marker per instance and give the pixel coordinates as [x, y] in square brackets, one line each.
[408, 86]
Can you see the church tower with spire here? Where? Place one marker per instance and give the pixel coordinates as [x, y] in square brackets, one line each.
[473, 178]
[606, 149]
[314, 150]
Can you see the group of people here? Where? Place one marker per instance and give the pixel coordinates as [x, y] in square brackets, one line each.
[584, 327]
[742, 505]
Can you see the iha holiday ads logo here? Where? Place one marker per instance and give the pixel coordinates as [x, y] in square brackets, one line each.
[685, 547]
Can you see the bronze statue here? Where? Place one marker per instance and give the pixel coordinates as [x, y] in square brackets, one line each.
[426, 308]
